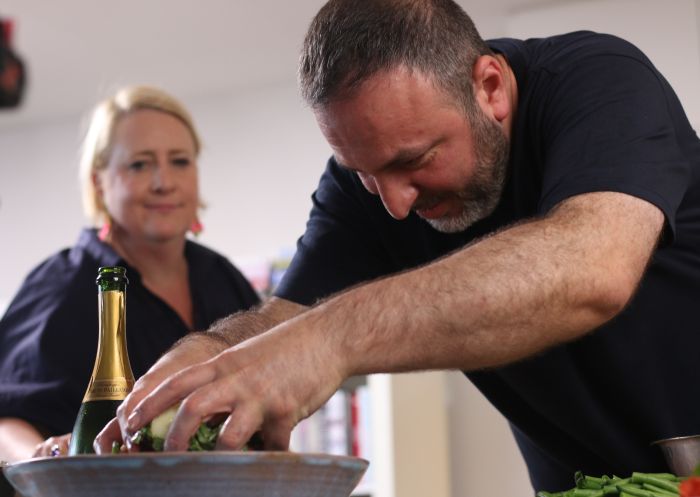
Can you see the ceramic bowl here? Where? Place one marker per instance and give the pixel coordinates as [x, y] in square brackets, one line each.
[184, 474]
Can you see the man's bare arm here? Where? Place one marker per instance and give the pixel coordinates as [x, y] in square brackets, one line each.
[234, 329]
[506, 297]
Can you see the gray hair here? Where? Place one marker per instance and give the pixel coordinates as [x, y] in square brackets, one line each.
[351, 40]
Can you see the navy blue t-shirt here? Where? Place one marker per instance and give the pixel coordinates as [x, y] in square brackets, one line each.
[593, 114]
[48, 335]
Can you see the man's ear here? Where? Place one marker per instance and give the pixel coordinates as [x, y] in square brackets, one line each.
[490, 87]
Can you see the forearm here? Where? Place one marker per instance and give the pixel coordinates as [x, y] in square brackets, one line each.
[243, 325]
[504, 298]
[18, 439]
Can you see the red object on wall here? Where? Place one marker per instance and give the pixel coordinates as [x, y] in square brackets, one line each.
[8, 26]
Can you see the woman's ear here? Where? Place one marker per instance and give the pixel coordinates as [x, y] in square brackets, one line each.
[490, 87]
[97, 184]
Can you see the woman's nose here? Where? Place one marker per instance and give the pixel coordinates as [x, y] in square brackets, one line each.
[162, 178]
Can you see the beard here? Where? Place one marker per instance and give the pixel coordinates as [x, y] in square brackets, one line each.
[481, 196]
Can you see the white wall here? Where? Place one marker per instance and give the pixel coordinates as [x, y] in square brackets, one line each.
[39, 196]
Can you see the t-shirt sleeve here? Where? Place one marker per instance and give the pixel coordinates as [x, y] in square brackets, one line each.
[342, 244]
[609, 126]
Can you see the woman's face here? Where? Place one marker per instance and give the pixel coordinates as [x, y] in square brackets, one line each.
[149, 186]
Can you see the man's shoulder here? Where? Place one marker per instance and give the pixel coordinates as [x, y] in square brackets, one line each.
[568, 49]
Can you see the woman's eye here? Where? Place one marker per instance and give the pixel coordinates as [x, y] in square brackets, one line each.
[182, 161]
[137, 165]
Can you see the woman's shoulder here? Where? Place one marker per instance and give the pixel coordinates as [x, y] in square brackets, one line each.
[67, 270]
[206, 258]
[212, 269]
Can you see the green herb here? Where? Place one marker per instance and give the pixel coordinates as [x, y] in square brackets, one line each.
[204, 439]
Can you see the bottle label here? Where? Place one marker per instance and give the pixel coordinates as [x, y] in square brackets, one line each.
[111, 389]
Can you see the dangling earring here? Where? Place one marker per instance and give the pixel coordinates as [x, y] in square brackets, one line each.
[105, 230]
[196, 227]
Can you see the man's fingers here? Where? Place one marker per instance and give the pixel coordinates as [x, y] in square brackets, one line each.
[169, 393]
[204, 403]
[276, 435]
[104, 439]
[185, 424]
[239, 427]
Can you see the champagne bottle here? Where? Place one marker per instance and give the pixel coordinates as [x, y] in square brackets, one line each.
[111, 379]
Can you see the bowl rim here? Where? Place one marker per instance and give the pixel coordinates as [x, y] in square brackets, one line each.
[223, 454]
[674, 439]
[348, 469]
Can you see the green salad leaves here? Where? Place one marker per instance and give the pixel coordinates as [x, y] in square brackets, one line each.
[151, 438]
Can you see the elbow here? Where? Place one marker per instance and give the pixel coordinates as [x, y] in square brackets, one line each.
[610, 298]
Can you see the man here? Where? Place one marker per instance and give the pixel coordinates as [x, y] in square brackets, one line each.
[527, 212]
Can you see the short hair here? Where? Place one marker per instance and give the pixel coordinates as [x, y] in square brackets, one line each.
[98, 141]
[351, 40]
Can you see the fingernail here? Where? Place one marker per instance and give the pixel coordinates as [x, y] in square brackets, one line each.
[133, 421]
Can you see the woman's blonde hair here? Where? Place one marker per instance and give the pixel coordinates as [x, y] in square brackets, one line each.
[97, 144]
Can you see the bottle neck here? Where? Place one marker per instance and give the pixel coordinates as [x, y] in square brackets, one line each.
[112, 378]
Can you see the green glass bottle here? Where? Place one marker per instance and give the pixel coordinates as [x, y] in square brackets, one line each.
[111, 379]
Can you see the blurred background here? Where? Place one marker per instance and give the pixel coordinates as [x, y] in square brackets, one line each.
[233, 63]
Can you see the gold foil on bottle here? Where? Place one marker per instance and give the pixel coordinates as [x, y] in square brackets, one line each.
[111, 377]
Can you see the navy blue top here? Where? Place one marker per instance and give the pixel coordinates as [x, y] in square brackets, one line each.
[593, 114]
[48, 335]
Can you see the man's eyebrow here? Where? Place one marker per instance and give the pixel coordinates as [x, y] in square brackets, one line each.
[406, 155]
[400, 158]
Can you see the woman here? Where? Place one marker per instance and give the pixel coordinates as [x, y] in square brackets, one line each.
[139, 181]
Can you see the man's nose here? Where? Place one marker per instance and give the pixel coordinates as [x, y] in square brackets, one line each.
[398, 196]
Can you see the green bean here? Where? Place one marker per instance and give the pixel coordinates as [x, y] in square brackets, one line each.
[670, 486]
[659, 491]
[610, 489]
[586, 492]
[636, 491]
[638, 485]
[589, 482]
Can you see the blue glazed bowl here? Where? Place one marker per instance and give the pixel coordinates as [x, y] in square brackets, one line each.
[180, 474]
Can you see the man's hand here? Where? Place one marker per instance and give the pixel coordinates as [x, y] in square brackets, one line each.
[190, 351]
[267, 384]
[182, 358]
